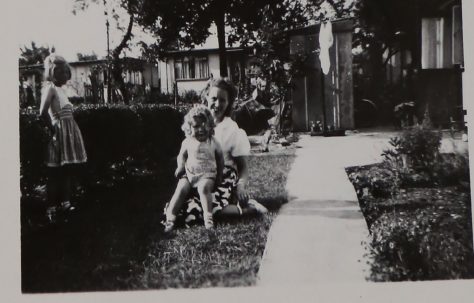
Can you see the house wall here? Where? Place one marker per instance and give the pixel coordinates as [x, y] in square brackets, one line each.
[79, 76]
[214, 68]
[439, 83]
[151, 75]
[188, 85]
[319, 97]
[167, 77]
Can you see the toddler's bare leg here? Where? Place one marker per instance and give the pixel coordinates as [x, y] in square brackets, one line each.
[205, 188]
[179, 196]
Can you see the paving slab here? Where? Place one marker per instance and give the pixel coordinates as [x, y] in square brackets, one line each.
[318, 235]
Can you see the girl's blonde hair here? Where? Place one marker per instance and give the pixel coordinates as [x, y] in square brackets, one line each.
[51, 63]
[202, 112]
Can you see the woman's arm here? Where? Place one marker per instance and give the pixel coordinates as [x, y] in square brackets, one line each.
[242, 194]
[219, 163]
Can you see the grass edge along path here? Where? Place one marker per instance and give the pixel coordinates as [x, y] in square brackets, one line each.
[230, 256]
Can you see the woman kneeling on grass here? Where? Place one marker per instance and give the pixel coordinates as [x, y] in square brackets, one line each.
[230, 198]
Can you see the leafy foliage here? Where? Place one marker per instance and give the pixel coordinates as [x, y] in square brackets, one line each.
[184, 24]
[424, 243]
[86, 57]
[421, 229]
[113, 136]
[34, 54]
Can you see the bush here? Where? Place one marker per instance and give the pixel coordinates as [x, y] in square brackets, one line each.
[415, 160]
[113, 135]
[417, 148]
[378, 181]
[425, 244]
[190, 97]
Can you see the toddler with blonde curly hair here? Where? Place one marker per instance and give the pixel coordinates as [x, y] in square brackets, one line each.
[200, 165]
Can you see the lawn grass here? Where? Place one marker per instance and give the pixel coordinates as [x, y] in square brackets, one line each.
[114, 241]
[228, 256]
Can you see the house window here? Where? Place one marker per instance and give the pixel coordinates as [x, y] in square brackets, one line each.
[457, 47]
[191, 68]
[432, 34]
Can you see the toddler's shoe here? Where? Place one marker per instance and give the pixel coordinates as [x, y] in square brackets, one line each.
[169, 227]
[66, 206]
[257, 206]
[51, 215]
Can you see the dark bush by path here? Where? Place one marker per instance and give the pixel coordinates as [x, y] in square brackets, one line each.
[113, 135]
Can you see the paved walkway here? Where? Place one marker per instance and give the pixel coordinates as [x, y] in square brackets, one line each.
[317, 236]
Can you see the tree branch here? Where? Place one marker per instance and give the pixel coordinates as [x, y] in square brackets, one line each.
[125, 39]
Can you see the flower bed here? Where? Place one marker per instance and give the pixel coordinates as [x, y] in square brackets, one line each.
[419, 216]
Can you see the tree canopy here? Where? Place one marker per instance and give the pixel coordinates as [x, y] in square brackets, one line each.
[34, 54]
[184, 23]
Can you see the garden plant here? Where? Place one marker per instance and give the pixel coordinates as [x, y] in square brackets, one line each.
[417, 207]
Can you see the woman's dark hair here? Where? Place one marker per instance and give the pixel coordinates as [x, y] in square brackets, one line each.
[222, 83]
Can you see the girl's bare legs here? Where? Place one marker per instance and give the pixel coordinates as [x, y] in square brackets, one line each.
[205, 188]
[179, 196]
[66, 187]
[53, 190]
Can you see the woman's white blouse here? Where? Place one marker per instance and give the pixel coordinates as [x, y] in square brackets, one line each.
[233, 140]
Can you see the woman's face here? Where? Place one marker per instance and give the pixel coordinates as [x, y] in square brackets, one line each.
[217, 102]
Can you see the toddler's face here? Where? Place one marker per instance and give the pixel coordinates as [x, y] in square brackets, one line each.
[217, 102]
[200, 129]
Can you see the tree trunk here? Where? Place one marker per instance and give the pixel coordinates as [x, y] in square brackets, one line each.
[117, 67]
[220, 24]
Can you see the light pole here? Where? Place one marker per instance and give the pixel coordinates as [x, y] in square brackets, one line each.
[107, 24]
[108, 62]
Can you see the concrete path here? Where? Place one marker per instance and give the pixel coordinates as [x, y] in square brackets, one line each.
[317, 237]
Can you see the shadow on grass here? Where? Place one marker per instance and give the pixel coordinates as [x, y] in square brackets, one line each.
[114, 240]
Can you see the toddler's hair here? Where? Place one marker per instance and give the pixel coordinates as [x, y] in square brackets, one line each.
[51, 63]
[222, 83]
[198, 111]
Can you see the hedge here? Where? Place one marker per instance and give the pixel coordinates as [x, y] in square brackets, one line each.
[113, 134]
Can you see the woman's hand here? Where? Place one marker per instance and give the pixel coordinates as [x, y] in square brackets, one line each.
[241, 190]
[242, 194]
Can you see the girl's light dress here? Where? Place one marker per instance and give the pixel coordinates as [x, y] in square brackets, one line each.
[201, 161]
[234, 143]
[66, 145]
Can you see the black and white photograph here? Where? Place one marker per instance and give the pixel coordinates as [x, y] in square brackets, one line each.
[335, 135]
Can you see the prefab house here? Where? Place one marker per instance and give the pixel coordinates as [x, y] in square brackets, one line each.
[89, 78]
[439, 84]
[186, 70]
[432, 63]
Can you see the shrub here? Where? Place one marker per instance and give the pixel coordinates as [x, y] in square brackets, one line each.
[189, 97]
[420, 245]
[417, 148]
[113, 135]
[452, 169]
[377, 180]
